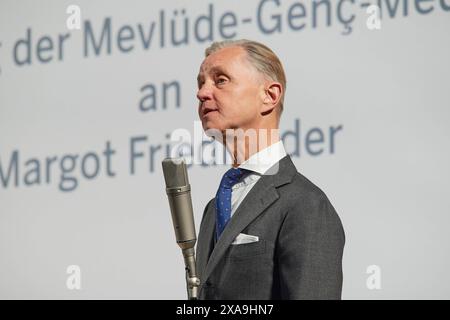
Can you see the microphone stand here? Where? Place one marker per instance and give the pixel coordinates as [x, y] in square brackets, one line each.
[192, 281]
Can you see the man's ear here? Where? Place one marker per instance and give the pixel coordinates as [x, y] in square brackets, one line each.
[272, 96]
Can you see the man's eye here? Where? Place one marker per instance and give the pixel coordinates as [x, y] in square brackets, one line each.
[221, 80]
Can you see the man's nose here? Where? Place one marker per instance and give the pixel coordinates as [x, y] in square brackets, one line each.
[204, 93]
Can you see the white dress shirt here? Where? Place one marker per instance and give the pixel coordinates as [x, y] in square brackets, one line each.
[258, 164]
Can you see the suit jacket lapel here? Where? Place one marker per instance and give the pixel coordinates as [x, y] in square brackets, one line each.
[261, 196]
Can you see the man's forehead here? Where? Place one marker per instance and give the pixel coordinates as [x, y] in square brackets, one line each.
[220, 59]
[213, 67]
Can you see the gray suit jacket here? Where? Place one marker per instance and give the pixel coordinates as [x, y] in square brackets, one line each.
[300, 247]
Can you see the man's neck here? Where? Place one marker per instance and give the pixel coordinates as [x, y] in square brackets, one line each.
[240, 151]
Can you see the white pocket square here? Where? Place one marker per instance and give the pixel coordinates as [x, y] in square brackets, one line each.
[243, 238]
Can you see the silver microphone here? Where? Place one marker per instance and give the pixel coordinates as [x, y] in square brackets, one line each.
[178, 191]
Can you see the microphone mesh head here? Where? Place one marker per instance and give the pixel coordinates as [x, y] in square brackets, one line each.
[175, 173]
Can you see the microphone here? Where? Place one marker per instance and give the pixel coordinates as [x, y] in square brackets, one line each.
[178, 192]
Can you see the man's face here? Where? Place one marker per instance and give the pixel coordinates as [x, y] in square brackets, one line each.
[230, 91]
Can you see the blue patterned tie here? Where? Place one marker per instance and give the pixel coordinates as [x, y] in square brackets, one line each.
[223, 198]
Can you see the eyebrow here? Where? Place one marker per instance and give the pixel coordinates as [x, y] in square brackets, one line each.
[213, 70]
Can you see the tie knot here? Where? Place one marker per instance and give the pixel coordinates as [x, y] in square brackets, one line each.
[231, 177]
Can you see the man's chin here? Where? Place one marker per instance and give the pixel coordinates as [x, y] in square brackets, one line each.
[213, 132]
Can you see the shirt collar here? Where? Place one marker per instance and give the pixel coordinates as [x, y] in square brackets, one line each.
[261, 161]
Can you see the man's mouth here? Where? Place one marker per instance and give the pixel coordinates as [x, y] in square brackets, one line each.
[206, 111]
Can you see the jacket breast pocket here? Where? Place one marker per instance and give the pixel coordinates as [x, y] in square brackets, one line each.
[247, 250]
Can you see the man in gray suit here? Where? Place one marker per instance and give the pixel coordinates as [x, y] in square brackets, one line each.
[269, 233]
